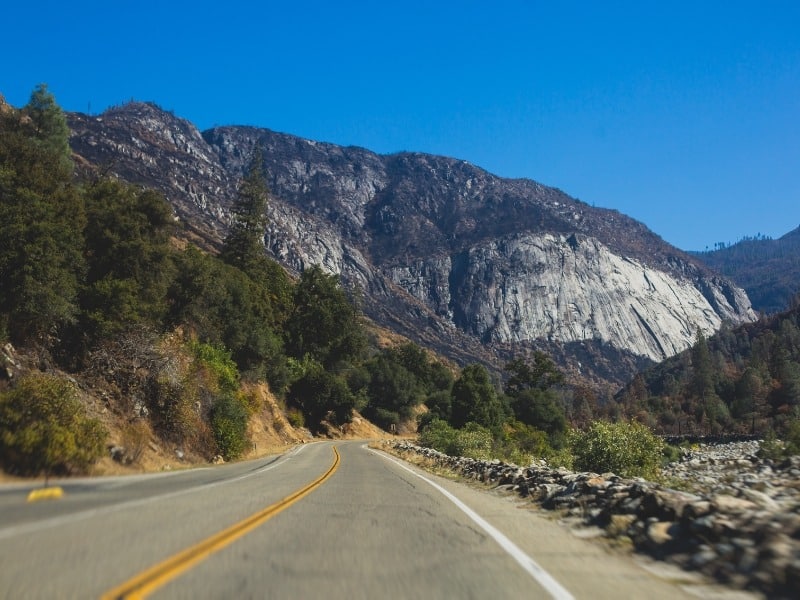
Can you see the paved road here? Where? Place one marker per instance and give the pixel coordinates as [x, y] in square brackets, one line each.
[373, 528]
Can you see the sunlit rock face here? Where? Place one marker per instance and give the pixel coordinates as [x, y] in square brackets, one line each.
[567, 289]
[476, 266]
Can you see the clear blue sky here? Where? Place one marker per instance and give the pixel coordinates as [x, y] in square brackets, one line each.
[684, 115]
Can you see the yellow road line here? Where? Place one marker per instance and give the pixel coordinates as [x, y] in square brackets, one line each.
[48, 493]
[160, 574]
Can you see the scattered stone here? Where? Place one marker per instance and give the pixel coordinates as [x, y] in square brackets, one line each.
[117, 453]
[729, 504]
[661, 532]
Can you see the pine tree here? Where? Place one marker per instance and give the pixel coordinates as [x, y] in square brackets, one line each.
[41, 222]
[244, 245]
[474, 399]
[324, 324]
[50, 130]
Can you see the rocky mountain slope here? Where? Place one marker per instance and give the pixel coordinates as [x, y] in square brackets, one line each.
[476, 266]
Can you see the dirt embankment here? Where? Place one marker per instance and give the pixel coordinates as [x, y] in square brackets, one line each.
[132, 444]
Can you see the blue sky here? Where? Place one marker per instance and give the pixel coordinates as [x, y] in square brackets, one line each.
[684, 115]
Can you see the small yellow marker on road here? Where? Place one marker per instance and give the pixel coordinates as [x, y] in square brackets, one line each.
[48, 493]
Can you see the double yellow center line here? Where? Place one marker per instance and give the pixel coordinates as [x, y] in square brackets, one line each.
[162, 573]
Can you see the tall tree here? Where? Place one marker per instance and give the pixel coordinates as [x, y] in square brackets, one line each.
[324, 323]
[50, 130]
[41, 222]
[702, 370]
[128, 250]
[539, 373]
[244, 244]
[393, 390]
[474, 399]
[530, 394]
[223, 306]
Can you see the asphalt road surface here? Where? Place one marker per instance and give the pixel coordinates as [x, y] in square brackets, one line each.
[332, 520]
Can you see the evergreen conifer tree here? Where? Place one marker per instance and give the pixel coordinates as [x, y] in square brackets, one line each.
[41, 222]
[244, 244]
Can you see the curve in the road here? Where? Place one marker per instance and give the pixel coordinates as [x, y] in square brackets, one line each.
[162, 573]
[73, 517]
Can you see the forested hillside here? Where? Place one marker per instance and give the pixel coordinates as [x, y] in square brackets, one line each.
[105, 308]
[744, 379]
[768, 270]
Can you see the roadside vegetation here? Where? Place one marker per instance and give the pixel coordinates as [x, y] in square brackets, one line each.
[526, 422]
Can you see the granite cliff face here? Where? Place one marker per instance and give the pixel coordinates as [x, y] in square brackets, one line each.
[476, 266]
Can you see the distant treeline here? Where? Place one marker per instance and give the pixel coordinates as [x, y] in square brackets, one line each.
[769, 270]
[741, 380]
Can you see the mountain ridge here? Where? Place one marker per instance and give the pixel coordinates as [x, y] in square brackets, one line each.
[768, 269]
[477, 266]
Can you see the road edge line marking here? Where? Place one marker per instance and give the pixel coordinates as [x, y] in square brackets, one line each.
[158, 575]
[542, 577]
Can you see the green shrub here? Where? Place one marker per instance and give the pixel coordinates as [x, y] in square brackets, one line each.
[772, 448]
[251, 400]
[295, 418]
[229, 424]
[670, 454]
[793, 437]
[44, 428]
[628, 449]
[561, 458]
[217, 360]
[473, 441]
[438, 435]
[521, 443]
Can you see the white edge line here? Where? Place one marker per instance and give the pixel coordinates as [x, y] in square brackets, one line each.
[35, 526]
[547, 581]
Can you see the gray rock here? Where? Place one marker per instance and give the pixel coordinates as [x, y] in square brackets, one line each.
[760, 499]
[703, 557]
[117, 453]
[730, 504]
